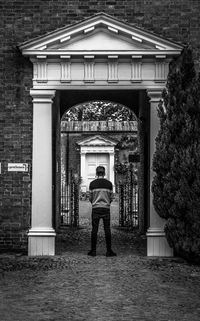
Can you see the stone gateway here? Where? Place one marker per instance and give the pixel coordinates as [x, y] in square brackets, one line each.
[56, 55]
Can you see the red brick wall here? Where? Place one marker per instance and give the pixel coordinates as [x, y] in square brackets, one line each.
[21, 20]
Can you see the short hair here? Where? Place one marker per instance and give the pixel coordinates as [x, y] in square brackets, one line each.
[100, 170]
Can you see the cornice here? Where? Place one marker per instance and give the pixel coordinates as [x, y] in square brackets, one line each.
[145, 42]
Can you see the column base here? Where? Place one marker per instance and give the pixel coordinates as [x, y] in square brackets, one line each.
[157, 244]
[41, 241]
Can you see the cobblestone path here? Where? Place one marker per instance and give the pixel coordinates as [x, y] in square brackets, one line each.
[72, 286]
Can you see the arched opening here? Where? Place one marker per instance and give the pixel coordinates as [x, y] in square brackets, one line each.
[93, 132]
[113, 69]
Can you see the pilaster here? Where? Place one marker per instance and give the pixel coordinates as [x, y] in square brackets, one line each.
[41, 236]
[83, 169]
[111, 165]
[157, 244]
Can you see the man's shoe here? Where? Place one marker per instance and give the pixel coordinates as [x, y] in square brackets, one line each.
[92, 253]
[111, 253]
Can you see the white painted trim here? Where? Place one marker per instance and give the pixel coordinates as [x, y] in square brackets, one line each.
[128, 53]
[66, 38]
[56, 75]
[36, 231]
[97, 149]
[113, 29]
[136, 38]
[153, 231]
[42, 96]
[102, 21]
[157, 244]
[41, 235]
[90, 141]
[110, 86]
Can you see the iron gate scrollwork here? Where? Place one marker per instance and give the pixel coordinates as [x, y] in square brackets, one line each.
[70, 201]
[128, 201]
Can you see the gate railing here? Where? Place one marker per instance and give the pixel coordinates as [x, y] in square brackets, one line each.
[70, 202]
[128, 204]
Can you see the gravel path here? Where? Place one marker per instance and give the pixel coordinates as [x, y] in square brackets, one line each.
[72, 286]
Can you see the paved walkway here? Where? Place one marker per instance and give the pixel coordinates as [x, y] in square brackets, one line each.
[72, 286]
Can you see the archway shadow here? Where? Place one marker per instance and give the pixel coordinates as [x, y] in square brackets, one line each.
[77, 240]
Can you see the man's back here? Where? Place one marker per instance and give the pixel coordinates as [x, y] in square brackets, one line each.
[101, 194]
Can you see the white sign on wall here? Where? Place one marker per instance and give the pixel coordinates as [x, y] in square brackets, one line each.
[17, 167]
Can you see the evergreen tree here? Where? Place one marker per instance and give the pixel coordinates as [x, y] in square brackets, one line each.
[176, 185]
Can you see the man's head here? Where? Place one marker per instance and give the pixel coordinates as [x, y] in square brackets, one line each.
[100, 171]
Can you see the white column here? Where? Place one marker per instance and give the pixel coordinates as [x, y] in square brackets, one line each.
[83, 171]
[41, 236]
[112, 176]
[157, 244]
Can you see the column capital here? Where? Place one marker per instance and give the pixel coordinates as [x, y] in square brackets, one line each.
[82, 152]
[155, 95]
[111, 152]
[42, 96]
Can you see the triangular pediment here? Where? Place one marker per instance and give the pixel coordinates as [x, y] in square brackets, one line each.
[97, 141]
[95, 40]
[100, 34]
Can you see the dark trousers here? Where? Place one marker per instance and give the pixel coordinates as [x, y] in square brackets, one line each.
[97, 214]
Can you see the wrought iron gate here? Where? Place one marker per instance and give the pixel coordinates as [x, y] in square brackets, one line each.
[70, 202]
[128, 205]
[128, 202]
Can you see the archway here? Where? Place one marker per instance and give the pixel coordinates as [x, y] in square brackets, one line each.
[98, 55]
[100, 133]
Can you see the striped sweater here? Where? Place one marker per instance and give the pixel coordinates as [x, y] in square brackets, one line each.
[101, 194]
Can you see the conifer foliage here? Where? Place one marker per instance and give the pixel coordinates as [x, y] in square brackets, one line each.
[176, 185]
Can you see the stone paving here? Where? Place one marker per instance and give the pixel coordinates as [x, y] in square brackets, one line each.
[72, 286]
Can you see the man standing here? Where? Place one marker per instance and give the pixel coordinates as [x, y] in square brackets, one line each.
[101, 195]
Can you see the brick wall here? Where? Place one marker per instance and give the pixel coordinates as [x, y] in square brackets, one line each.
[21, 20]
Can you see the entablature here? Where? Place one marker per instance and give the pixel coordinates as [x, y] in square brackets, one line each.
[100, 50]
